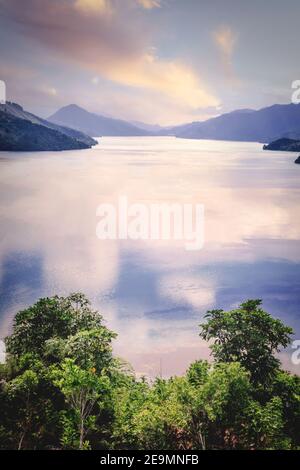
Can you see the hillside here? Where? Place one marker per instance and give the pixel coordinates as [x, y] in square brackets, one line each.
[22, 131]
[264, 125]
[285, 145]
[93, 124]
[17, 111]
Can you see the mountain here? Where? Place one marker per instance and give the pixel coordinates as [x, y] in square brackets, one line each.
[285, 145]
[23, 131]
[73, 126]
[17, 111]
[94, 124]
[292, 134]
[154, 128]
[264, 125]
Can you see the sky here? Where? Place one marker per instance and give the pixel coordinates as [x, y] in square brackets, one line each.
[162, 62]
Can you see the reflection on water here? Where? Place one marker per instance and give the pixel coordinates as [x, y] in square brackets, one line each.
[153, 293]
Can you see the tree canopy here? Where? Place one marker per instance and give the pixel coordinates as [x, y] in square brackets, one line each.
[248, 335]
[61, 386]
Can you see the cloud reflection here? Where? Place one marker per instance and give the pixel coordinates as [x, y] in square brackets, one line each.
[152, 293]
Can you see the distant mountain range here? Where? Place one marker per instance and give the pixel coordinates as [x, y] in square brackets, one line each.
[95, 125]
[153, 128]
[264, 125]
[72, 127]
[23, 131]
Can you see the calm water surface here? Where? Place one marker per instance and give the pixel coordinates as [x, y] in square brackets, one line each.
[152, 293]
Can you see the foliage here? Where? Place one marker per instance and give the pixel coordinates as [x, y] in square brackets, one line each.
[62, 388]
[265, 425]
[55, 317]
[83, 390]
[248, 335]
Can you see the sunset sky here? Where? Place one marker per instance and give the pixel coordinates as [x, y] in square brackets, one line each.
[157, 61]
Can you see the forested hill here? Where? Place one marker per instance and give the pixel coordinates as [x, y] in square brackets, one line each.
[23, 131]
[284, 145]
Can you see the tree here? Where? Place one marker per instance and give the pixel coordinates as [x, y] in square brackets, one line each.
[224, 396]
[203, 410]
[128, 399]
[220, 394]
[152, 417]
[67, 335]
[248, 335]
[83, 390]
[91, 348]
[61, 386]
[49, 318]
[264, 425]
[29, 404]
[286, 386]
[24, 388]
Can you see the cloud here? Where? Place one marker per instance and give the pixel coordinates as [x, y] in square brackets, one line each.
[238, 227]
[171, 78]
[49, 90]
[107, 6]
[94, 6]
[191, 290]
[226, 39]
[149, 4]
[138, 105]
[106, 46]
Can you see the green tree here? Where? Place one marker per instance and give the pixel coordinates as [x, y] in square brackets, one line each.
[248, 335]
[152, 416]
[225, 396]
[24, 388]
[264, 425]
[91, 348]
[203, 410]
[286, 386]
[83, 390]
[51, 318]
[29, 404]
[61, 386]
[67, 335]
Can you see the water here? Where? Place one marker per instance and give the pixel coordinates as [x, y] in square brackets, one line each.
[153, 294]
